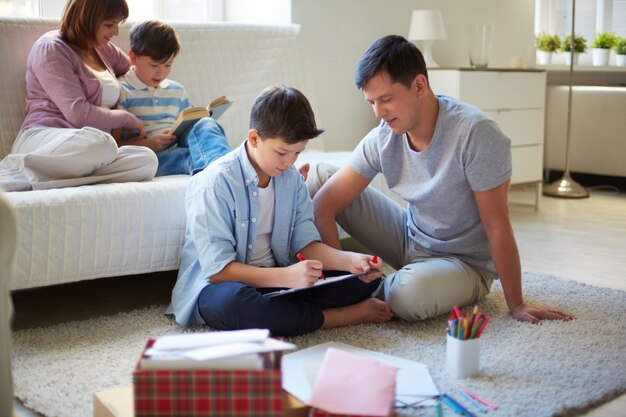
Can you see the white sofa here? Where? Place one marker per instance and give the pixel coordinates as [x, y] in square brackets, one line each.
[87, 232]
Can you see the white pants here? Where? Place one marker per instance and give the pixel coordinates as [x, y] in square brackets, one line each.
[424, 285]
[44, 158]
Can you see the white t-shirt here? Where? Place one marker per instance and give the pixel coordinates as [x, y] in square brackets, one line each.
[110, 88]
[262, 254]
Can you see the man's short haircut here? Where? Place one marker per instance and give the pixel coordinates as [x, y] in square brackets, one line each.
[283, 112]
[81, 19]
[154, 39]
[401, 59]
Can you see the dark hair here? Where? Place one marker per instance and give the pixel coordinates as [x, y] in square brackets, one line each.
[283, 112]
[81, 18]
[154, 39]
[401, 59]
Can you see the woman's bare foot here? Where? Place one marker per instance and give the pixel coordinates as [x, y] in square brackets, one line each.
[371, 310]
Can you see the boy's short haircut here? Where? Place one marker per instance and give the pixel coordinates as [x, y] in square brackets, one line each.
[154, 39]
[283, 112]
[401, 59]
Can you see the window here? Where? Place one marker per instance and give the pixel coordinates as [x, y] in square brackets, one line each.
[249, 11]
[19, 8]
[592, 16]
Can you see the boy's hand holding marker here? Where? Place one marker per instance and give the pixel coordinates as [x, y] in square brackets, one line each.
[368, 263]
[307, 272]
[310, 270]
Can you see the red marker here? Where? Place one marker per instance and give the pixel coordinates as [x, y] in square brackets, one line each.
[302, 258]
[374, 259]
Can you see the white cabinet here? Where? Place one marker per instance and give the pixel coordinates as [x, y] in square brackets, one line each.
[515, 99]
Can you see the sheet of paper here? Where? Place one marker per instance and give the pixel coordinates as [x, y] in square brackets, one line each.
[236, 349]
[300, 368]
[367, 382]
[193, 340]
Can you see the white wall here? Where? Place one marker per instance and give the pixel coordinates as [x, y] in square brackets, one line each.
[336, 32]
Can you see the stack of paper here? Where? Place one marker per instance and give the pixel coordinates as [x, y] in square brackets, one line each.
[301, 370]
[240, 349]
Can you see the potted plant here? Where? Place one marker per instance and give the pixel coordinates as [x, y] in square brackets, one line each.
[601, 48]
[580, 46]
[546, 45]
[620, 51]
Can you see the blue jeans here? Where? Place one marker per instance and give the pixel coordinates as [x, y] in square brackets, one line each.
[233, 305]
[199, 146]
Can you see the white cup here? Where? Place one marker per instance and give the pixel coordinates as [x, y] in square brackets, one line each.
[462, 357]
[516, 61]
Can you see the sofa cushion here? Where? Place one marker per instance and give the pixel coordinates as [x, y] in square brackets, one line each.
[95, 231]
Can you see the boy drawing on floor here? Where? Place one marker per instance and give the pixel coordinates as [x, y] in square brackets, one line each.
[157, 101]
[248, 216]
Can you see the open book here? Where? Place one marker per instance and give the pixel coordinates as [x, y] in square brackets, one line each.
[188, 117]
[318, 283]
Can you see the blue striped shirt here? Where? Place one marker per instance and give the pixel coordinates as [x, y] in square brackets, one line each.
[157, 107]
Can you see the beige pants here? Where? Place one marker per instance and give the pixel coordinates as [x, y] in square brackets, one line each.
[424, 285]
[44, 158]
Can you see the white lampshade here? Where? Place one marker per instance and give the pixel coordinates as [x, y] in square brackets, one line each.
[426, 26]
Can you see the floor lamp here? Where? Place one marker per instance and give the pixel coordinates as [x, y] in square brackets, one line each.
[566, 187]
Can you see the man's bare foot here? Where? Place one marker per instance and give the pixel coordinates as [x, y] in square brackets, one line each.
[371, 310]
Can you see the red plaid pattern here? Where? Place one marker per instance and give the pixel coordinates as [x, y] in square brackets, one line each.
[201, 393]
[207, 393]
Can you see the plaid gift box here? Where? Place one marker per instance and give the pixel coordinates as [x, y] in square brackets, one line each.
[207, 393]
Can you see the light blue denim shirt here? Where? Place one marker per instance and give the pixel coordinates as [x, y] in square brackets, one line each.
[222, 209]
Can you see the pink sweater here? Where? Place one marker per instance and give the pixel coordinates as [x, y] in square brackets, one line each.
[62, 92]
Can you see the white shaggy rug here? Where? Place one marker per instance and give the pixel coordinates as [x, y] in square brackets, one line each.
[552, 369]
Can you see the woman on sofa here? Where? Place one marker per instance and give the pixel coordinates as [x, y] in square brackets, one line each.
[71, 99]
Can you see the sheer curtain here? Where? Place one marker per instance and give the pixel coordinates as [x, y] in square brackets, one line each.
[592, 16]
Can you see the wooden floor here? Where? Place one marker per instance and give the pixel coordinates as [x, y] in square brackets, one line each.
[581, 239]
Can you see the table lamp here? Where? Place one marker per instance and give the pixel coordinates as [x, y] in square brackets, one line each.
[427, 26]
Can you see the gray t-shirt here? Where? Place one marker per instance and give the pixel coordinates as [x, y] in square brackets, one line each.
[468, 153]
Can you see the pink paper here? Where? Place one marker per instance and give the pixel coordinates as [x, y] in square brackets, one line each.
[348, 383]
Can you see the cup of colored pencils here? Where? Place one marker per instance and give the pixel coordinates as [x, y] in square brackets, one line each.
[463, 342]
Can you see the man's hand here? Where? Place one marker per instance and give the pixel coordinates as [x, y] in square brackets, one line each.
[525, 312]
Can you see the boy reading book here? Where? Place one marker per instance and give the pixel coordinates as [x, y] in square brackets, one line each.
[248, 216]
[158, 101]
